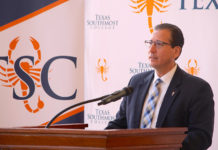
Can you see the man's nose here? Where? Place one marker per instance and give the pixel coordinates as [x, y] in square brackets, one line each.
[153, 48]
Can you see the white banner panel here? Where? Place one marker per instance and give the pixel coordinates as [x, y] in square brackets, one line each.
[114, 46]
[42, 63]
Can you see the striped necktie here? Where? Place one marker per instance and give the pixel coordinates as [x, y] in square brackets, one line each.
[150, 108]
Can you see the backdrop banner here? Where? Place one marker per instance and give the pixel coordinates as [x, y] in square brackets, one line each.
[114, 46]
[55, 53]
[41, 61]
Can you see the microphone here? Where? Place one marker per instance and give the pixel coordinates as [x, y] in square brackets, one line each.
[105, 99]
[116, 95]
[70, 107]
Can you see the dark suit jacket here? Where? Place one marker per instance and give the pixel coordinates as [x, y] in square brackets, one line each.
[188, 102]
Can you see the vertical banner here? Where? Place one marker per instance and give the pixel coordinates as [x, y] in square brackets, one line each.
[115, 32]
[41, 61]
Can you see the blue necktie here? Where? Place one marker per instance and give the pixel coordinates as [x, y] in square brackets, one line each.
[150, 108]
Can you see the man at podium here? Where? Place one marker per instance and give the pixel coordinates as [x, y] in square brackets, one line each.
[168, 96]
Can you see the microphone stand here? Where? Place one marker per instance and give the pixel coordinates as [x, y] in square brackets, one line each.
[75, 105]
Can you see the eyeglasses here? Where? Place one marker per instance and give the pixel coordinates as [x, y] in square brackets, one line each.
[158, 44]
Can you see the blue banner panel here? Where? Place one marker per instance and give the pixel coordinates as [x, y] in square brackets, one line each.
[11, 10]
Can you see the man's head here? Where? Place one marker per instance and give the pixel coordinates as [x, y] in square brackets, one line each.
[165, 47]
[177, 38]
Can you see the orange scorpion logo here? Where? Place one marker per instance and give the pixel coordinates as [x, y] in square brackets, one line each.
[102, 69]
[12, 79]
[194, 69]
[159, 5]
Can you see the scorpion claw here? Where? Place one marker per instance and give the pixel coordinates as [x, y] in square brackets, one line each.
[14, 43]
[35, 43]
[36, 47]
[12, 47]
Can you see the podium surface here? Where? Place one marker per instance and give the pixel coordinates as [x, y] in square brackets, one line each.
[79, 139]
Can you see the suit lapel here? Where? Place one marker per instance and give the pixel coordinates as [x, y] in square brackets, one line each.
[142, 91]
[172, 91]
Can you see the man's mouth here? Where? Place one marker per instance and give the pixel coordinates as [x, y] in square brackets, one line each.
[152, 57]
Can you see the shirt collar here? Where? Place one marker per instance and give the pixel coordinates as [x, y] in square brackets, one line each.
[167, 77]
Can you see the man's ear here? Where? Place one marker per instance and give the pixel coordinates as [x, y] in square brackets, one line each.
[178, 50]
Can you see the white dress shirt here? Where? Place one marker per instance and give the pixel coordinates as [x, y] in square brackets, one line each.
[166, 79]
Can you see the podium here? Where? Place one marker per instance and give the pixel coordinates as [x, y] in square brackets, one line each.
[71, 138]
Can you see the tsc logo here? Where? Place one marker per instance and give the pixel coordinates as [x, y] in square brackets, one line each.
[25, 75]
[150, 6]
[193, 68]
[102, 68]
[13, 79]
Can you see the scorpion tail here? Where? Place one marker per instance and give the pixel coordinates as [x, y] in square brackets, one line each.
[27, 106]
[150, 24]
[40, 105]
[104, 79]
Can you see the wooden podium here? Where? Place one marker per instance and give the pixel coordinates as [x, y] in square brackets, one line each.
[55, 138]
